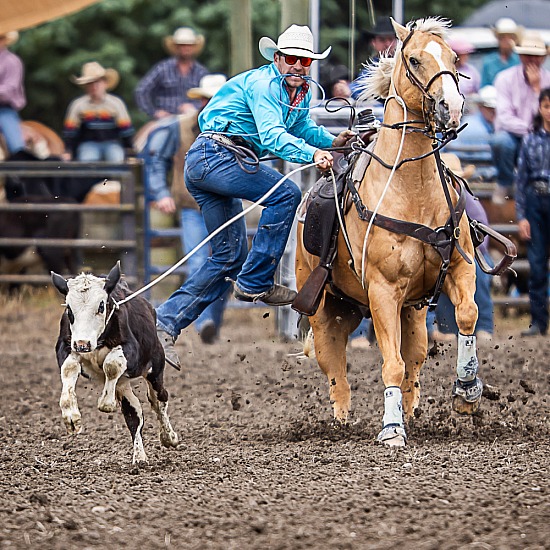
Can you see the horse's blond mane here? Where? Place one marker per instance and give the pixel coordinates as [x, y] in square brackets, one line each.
[376, 80]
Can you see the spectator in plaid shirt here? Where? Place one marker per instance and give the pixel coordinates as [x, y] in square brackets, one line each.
[163, 90]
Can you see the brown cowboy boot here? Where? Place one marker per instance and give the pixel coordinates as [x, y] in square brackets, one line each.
[170, 355]
[277, 295]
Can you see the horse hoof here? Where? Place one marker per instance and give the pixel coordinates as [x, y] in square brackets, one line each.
[463, 407]
[392, 436]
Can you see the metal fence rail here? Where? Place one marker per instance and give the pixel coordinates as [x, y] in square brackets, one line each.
[125, 173]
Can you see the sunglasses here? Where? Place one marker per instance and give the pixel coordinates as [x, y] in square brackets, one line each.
[293, 59]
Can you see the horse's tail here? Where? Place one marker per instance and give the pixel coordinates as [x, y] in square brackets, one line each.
[306, 336]
[309, 344]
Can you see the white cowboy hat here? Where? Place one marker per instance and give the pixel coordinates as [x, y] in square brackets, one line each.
[181, 36]
[487, 97]
[93, 71]
[11, 37]
[452, 162]
[505, 25]
[531, 44]
[208, 86]
[295, 40]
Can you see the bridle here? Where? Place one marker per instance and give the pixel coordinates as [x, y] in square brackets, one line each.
[428, 101]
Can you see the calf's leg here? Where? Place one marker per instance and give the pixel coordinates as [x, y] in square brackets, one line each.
[70, 370]
[133, 415]
[114, 366]
[168, 437]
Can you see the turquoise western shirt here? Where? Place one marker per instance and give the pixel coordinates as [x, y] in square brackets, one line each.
[254, 106]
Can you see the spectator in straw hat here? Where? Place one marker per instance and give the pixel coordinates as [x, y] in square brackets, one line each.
[518, 90]
[469, 78]
[265, 111]
[97, 125]
[507, 33]
[12, 93]
[163, 90]
[165, 149]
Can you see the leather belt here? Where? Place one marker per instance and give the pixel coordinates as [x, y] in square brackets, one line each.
[221, 138]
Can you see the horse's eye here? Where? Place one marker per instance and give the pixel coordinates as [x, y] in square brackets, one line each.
[457, 60]
[70, 314]
[101, 307]
[414, 62]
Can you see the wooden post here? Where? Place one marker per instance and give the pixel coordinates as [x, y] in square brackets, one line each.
[294, 12]
[241, 36]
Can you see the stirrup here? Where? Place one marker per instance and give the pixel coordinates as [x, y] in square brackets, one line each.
[469, 391]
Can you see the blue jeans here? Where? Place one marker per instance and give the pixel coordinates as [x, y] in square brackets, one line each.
[193, 231]
[10, 126]
[505, 147]
[91, 151]
[537, 212]
[218, 184]
[445, 311]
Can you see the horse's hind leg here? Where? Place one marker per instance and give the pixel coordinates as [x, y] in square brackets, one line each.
[158, 397]
[467, 389]
[414, 345]
[332, 325]
[133, 415]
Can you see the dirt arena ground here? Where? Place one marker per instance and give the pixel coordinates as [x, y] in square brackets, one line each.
[260, 464]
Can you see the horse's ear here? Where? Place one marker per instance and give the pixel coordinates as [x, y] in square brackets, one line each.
[113, 278]
[60, 283]
[401, 31]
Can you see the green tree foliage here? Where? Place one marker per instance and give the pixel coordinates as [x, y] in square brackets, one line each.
[127, 35]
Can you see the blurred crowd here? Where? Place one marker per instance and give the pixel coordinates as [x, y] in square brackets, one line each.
[506, 137]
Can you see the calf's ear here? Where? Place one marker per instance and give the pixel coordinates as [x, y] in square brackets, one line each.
[113, 278]
[60, 283]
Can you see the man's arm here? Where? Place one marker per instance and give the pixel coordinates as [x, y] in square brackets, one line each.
[11, 84]
[521, 187]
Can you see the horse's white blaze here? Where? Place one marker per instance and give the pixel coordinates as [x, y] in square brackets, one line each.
[86, 293]
[450, 90]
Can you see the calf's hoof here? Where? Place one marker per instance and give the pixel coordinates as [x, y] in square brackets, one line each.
[73, 424]
[392, 436]
[467, 396]
[107, 406]
[169, 438]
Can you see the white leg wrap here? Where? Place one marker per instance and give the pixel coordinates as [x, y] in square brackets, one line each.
[466, 365]
[393, 409]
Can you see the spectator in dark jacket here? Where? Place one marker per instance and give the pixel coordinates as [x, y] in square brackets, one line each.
[97, 125]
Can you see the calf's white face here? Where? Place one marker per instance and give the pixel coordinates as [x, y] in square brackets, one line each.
[87, 310]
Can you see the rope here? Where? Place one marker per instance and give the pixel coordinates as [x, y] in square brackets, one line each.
[395, 164]
[213, 234]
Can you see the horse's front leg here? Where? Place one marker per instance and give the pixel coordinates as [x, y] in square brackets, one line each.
[385, 308]
[460, 287]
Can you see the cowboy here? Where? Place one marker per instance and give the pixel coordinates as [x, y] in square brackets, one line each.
[97, 125]
[383, 41]
[12, 93]
[265, 111]
[507, 33]
[518, 89]
[165, 149]
[163, 90]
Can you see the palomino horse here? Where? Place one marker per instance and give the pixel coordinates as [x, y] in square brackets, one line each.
[390, 273]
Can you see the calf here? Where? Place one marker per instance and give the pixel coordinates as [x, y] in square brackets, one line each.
[100, 339]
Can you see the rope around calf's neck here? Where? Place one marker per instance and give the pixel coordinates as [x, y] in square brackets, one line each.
[213, 234]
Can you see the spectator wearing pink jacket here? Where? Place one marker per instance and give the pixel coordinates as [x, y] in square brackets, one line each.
[518, 89]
